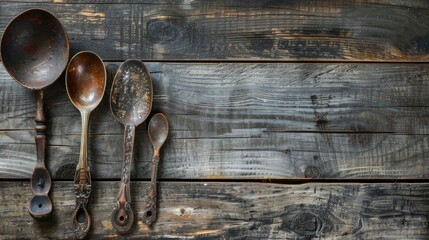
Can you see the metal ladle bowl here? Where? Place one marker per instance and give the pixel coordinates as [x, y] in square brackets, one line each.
[35, 51]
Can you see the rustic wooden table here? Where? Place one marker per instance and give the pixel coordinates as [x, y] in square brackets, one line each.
[289, 120]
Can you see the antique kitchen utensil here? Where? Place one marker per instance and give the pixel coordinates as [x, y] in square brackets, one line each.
[130, 103]
[35, 51]
[158, 131]
[85, 84]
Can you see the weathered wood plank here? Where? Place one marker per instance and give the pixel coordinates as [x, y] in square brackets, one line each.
[243, 121]
[208, 98]
[273, 156]
[235, 211]
[382, 30]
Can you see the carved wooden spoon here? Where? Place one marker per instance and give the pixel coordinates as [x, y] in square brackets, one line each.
[131, 103]
[158, 132]
[85, 84]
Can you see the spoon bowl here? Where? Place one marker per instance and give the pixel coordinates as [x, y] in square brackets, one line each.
[158, 130]
[131, 94]
[35, 48]
[86, 80]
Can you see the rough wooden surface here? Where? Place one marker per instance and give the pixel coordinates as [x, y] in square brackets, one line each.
[381, 30]
[240, 120]
[235, 211]
[300, 120]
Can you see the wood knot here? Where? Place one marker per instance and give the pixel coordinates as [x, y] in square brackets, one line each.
[162, 30]
[312, 172]
[304, 224]
[66, 171]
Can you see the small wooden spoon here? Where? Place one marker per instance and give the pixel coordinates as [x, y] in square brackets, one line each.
[158, 132]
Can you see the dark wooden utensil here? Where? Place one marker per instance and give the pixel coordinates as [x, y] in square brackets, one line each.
[85, 84]
[131, 103]
[35, 51]
[158, 132]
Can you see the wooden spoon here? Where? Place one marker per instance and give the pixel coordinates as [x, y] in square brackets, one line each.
[85, 84]
[158, 132]
[131, 103]
[35, 51]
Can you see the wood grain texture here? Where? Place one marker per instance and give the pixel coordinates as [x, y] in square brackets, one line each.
[235, 211]
[242, 120]
[381, 30]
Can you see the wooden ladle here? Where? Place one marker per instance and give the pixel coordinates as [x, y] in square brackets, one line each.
[158, 132]
[85, 84]
[130, 103]
[35, 51]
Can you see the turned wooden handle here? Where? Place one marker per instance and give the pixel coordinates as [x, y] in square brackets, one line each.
[40, 204]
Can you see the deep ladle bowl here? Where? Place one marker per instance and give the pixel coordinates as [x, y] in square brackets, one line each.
[35, 51]
[35, 48]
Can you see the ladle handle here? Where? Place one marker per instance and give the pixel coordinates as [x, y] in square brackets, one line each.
[123, 215]
[82, 185]
[40, 206]
[149, 214]
[40, 128]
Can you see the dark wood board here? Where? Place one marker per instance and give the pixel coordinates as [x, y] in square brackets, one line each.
[382, 30]
[234, 211]
[242, 120]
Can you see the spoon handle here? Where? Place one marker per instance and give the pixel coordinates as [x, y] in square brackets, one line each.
[40, 205]
[149, 214]
[123, 215]
[82, 185]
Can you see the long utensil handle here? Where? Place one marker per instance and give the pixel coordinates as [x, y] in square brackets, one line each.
[40, 205]
[149, 214]
[123, 215]
[82, 184]
[40, 128]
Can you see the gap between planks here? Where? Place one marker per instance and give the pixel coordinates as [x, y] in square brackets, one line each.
[298, 181]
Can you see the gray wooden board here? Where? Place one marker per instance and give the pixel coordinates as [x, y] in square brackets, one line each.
[234, 211]
[382, 30]
[240, 120]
